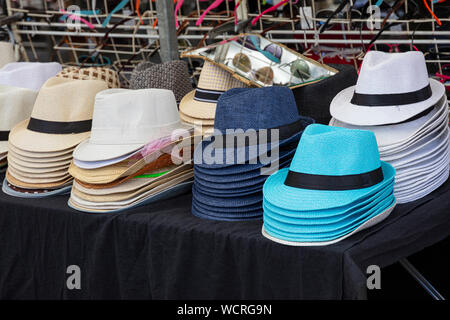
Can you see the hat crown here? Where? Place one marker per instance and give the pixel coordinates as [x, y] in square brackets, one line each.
[66, 100]
[215, 78]
[30, 75]
[170, 75]
[255, 108]
[131, 116]
[325, 150]
[16, 105]
[392, 73]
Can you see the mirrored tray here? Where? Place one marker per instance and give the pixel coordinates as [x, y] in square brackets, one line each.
[260, 62]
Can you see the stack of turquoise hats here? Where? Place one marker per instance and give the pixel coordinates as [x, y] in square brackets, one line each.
[335, 186]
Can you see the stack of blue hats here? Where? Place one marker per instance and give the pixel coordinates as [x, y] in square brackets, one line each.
[256, 132]
[335, 186]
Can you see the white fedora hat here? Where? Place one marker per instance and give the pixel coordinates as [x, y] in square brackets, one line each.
[391, 88]
[30, 75]
[125, 120]
[16, 105]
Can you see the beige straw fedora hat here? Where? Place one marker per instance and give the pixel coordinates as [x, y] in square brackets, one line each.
[125, 120]
[201, 102]
[15, 106]
[61, 117]
[108, 75]
[7, 54]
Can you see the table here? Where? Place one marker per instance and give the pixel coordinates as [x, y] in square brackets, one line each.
[161, 251]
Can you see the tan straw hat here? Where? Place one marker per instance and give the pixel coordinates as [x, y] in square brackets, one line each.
[108, 75]
[61, 117]
[201, 102]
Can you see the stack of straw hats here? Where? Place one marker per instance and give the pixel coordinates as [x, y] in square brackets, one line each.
[29, 75]
[198, 107]
[229, 168]
[335, 186]
[99, 73]
[407, 112]
[133, 155]
[40, 148]
[171, 75]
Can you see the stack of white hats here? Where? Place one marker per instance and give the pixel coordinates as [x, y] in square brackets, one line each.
[408, 112]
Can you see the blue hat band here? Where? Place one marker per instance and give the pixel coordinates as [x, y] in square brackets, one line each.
[394, 99]
[205, 95]
[334, 183]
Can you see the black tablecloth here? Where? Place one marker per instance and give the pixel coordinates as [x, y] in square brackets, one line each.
[161, 251]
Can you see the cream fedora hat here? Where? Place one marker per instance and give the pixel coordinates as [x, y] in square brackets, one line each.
[30, 75]
[15, 106]
[201, 102]
[391, 88]
[125, 120]
[61, 117]
[7, 54]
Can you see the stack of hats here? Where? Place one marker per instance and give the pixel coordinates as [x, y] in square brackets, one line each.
[407, 112]
[40, 148]
[335, 186]
[16, 105]
[108, 75]
[133, 155]
[7, 54]
[171, 75]
[29, 75]
[231, 166]
[198, 107]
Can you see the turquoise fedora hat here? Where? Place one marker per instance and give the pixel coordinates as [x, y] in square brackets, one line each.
[332, 167]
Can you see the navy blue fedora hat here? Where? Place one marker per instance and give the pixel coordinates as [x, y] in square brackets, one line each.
[229, 193]
[245, 201]
[245, 122]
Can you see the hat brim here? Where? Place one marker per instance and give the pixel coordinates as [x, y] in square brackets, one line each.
[158, 196]
[44, 172]
[239, 154]
[30, 166]
[38, 178]
[330, 229]
[32, 194]
[283, 196]
[91, 151]
[132, 194]
[44, 158]
[426, 152]
[282, 239]
[199, 212]
[342, 109]
[327, 215]
[226, 202]
[221, 193]
[196, 121]
[424, 191]
[24, 185]
[392, 137]
[33, 141]
[237, 180]
[197, 109]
